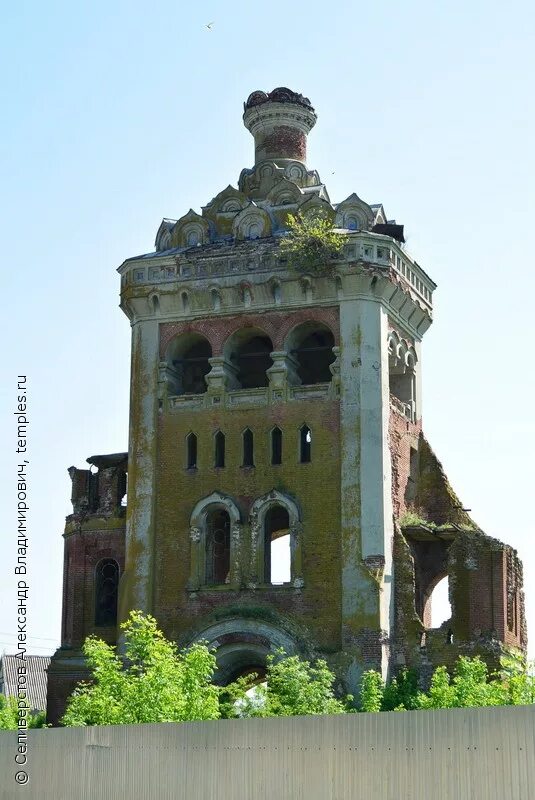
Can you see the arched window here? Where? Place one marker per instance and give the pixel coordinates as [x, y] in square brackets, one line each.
[276, 540]
[212, 522]
[122, 488]
[305, 445]
[277, 555]
[106, 591]
[188, 364]
[312, 344]
[276, 446]
[437, 607]
[191, 451]
[249, 351]
[248, 448]
[219, 450]
[217, 541]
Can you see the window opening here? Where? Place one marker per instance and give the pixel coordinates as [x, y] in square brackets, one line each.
[314, 356]
[253, 359]
[305, 445]
[219, 455]
[191, 451]
[248, 448]
[193, 366]
[217, 547]
[276, 446]
[107, 583]
[277, 551]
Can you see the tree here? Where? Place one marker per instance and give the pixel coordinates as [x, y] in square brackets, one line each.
[292, 687]
[157, 683]
[311, 243]
[470, 685]
[9, 718]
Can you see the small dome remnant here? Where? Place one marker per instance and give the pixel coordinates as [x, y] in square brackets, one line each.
[279, 95]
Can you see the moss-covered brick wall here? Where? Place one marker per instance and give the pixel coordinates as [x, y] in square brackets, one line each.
[315, 487]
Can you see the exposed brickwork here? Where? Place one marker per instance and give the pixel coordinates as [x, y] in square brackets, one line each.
[403, 435]
[277, 325]
[284, 142]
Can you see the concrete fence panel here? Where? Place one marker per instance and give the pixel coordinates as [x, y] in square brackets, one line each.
[459, 754]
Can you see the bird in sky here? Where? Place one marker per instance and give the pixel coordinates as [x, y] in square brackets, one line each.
[209, 26]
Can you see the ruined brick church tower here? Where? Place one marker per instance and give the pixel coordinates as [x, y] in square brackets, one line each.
[280, 490]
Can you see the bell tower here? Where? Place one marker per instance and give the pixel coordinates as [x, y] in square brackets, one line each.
[260, 409]
[281, 492]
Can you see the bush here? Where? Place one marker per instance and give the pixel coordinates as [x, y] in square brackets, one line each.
[311, 243]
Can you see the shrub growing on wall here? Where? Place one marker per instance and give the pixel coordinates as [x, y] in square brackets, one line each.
[311, 243]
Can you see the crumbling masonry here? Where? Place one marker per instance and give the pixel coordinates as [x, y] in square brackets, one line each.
[279, 410]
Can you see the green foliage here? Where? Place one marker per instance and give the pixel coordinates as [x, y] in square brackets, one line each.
[159, 684]
[401, 693]
[517, 678]
[311, 243]
[9, 715]
[469, 686]
[293, 687]
[371, 691]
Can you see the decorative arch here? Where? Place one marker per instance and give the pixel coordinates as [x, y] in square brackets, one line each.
[186, 363]
[284, 193]
[242, 645]
[247, 351]
[259, 516]
[252, 222]
[354, 214]
[228, 201]
[191, 230]
[200, 543]
[402, 360]
[316, 205]
[163, 235]
[310, 345]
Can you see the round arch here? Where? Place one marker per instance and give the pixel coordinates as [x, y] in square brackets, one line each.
[200, 531]
[242, 645]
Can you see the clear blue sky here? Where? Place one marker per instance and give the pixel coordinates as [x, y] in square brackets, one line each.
[117, 114]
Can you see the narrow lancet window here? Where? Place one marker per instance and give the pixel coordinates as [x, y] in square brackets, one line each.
[219, 448]
[248, 448]
[191, 451]
[305, 445]
[276, 446]
[106, 589]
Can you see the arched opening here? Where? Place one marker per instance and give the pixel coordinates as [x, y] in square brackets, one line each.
[277, 546]
[248, 448]
[311, 344]
[305, 444]
[249, 351]
[217, 541]
[106, 591]
[122, 489]
[191, 451]
[219, 450]
[276, 446]
[188, 364]
[437, 609]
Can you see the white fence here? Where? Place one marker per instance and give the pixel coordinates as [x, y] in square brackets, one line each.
[459, 754]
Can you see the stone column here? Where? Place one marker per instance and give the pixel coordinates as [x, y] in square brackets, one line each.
[366, 510]
[136, 590]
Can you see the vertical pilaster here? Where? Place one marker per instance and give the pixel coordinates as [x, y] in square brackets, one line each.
[137, 582]
[366, 512]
